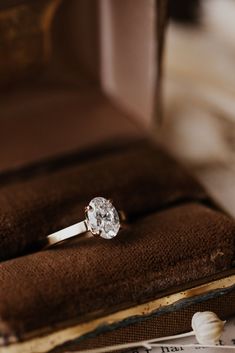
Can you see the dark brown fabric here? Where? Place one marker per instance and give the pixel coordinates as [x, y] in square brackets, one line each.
[168, 324]
[38, 123]
[77, 278]
[140, 179]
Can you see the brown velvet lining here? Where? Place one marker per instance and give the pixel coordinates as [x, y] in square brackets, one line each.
[38, 123]
[85, 276]
[139, 179]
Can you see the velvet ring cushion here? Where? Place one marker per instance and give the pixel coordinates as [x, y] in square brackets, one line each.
[139, 178]
[160, 251]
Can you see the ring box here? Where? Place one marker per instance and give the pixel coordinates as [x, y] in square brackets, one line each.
[79, 82]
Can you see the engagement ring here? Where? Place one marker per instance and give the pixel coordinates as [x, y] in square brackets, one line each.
[101, 219]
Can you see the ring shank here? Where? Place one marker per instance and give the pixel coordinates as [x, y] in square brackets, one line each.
[67, 233]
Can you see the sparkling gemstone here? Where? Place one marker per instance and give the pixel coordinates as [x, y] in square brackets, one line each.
[102, 218]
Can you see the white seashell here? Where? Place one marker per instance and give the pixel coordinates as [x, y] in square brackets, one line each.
[207, 327]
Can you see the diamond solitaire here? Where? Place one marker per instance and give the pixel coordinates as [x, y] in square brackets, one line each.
[102, 219]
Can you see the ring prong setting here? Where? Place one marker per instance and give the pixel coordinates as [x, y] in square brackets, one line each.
[102, 218]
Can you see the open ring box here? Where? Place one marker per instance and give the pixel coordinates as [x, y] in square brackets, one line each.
[79, 81]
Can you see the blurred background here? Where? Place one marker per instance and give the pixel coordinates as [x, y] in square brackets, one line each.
[199, 93]
[106, 43]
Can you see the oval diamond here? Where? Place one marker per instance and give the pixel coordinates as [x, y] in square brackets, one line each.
[102, 218]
